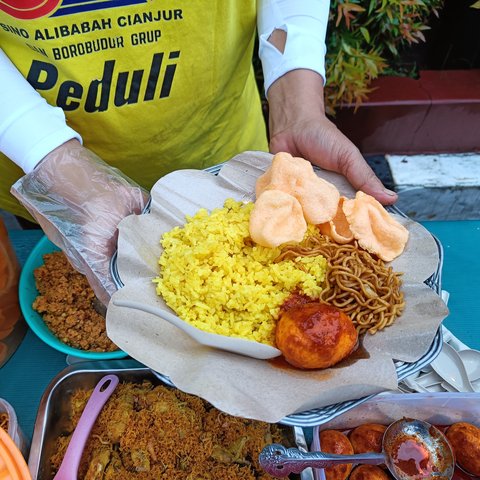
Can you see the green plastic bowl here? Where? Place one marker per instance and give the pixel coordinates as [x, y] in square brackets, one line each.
[28, 293]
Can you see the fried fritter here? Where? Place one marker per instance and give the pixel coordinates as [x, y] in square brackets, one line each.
[334, 441]
[367, 438]
[368, 472]
[465, 441]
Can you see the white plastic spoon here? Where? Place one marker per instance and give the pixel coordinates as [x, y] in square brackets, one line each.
[429, 379]
[241, 346]
[450, 367]
[471, 360]
[414, 385]
[446, 387]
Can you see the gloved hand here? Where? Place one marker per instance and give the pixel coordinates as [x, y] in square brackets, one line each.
[78, 200]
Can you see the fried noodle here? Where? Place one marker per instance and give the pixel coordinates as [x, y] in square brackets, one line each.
[357, 282]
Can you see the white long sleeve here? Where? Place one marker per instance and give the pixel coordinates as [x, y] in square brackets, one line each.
[305, 22]
[29, 127]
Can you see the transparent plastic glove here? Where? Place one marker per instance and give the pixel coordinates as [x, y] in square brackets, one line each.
[78, 200]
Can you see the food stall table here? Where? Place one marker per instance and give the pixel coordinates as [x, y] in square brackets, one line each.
[26, 375]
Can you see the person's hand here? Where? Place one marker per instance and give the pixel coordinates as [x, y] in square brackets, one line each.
[298, 125]
[78, 200]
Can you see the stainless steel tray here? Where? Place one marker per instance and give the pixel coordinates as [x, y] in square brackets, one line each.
[318, 416]
[53, 410]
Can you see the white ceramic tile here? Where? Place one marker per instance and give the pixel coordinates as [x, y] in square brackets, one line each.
[441, 170]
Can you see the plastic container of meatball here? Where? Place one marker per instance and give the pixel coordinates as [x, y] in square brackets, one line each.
[440, 409]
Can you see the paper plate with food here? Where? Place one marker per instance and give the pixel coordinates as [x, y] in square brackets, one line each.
[272, 252]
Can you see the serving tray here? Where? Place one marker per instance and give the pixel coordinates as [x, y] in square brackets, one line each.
[318, 416]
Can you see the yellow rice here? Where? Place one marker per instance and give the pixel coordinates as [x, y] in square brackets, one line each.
[213, 276]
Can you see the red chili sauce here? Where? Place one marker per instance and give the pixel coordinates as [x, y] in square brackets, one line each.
[412, 458]
[295, 300]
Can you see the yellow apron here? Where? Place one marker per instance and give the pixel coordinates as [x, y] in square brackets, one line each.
[152, 86]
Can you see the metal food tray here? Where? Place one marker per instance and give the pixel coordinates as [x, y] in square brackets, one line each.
[318, 416]
[53, 411]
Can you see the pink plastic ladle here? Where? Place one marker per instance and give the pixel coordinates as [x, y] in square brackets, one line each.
[69, 468]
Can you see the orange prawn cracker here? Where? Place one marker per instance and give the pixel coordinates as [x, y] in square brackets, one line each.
[375, 230]
[338, 228]
[276, 218]
[283, 174]
[295, 176]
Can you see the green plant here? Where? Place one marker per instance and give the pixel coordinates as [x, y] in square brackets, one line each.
[363, 39]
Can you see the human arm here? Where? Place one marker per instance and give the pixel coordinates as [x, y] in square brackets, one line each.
[76, 198]
[292, 49]
[30, 128]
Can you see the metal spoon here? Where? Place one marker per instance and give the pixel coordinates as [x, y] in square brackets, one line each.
[242, 346]
[412, 449]
[450, 367]
[71, 460]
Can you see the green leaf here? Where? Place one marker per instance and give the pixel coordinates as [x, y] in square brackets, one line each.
[366, 33]
[392, 48]
[359, 49]
[346, 48]
[476, 4]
